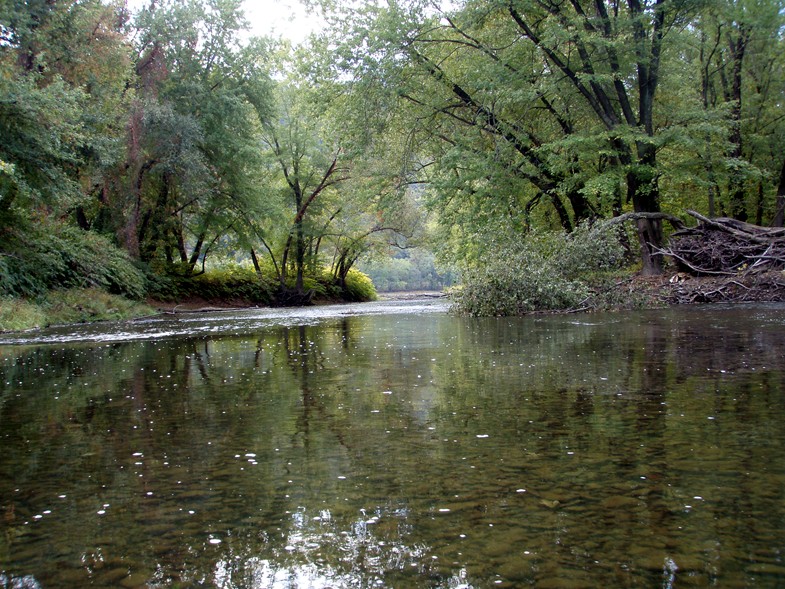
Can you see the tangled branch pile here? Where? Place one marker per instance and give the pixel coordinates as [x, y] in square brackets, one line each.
[737, 261]
[727, 247]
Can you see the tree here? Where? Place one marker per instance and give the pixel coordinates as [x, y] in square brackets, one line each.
[304, 165]
[193, 159]
[535, 98]
[741, 72]
[63, 73]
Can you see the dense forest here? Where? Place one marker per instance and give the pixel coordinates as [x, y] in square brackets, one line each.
[168, 153]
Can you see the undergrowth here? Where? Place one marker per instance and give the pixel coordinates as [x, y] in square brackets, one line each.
[67, 306]
[539, 272]
[38, 257]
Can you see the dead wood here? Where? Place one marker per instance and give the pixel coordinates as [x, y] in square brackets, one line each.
[726, 247]
[752, 287]
[676, 222]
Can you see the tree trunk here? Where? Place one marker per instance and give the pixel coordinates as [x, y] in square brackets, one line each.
[299, 256]
[736, 200]
[561, 210]
[643, 191]
[779, 214]
[256, 266]
[196, 252]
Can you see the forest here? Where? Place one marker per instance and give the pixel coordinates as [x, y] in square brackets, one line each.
[538, 148]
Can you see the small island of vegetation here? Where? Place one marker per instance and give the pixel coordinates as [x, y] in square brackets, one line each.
[552, 156]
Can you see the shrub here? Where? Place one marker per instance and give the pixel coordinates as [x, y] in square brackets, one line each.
[230, 282]
[359, 287]
[545, 271]
[36, 259]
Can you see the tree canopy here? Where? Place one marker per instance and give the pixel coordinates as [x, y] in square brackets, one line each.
[178, 137]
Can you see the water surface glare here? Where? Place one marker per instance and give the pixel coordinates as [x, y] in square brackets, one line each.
[396, 446]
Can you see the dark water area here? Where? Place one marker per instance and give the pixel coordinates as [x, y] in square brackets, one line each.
[398, 447]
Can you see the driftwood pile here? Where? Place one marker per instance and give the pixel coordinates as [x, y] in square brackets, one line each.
[736, 261]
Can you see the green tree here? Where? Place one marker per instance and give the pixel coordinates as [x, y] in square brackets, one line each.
[304, 167]
[534, 102]
[741, 74]
[63, 73]
[192, 167]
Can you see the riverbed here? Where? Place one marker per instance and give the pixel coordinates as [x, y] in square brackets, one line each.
[394, 445]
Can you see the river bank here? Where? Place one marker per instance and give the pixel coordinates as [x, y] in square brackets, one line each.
[626, 292]
[678, 288]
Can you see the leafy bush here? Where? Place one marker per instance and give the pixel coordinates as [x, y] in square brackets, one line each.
[359, 287]
[545, 271]
[36, 259]
[230, 282]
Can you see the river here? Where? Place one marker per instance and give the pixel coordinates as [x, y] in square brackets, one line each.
[395, 445]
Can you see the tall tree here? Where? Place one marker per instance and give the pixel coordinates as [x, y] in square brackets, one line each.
[557, 97]
[192, 164]
[306, 165]
[582, 41]
[65, 68]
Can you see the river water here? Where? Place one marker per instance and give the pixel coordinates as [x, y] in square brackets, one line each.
[394, 445]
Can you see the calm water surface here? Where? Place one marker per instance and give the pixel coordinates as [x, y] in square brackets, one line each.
[396, 446]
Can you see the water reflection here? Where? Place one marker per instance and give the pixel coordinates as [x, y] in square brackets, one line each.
[402, 450]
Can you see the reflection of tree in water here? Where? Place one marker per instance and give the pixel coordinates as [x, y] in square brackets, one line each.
[343, 454]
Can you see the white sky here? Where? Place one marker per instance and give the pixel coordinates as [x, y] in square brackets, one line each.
[277, 18]
[285, 18]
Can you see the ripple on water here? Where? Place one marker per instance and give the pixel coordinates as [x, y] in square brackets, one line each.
[218, 322]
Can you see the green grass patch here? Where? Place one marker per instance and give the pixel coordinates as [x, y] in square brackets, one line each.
[19, 315]
[79, 305]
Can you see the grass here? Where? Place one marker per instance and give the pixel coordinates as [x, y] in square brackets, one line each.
[19, 315]
[68, 306]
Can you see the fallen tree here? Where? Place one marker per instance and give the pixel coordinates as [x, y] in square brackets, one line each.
[726, 247]
[725, 260]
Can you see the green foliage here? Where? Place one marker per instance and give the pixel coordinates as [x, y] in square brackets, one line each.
[240, 283]
[359, 287]
[44, 256]
[544, 271]
[408, 271]
[67, 306]
[194, 153]
[42, 133]
[231, 282]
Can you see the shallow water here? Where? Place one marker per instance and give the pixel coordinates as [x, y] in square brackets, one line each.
[397, 446]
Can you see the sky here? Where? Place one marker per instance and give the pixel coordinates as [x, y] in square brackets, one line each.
[284, 18]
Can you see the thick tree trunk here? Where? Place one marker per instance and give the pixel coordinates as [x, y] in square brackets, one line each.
[779, 214]
[736, 197]
[643, 191]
